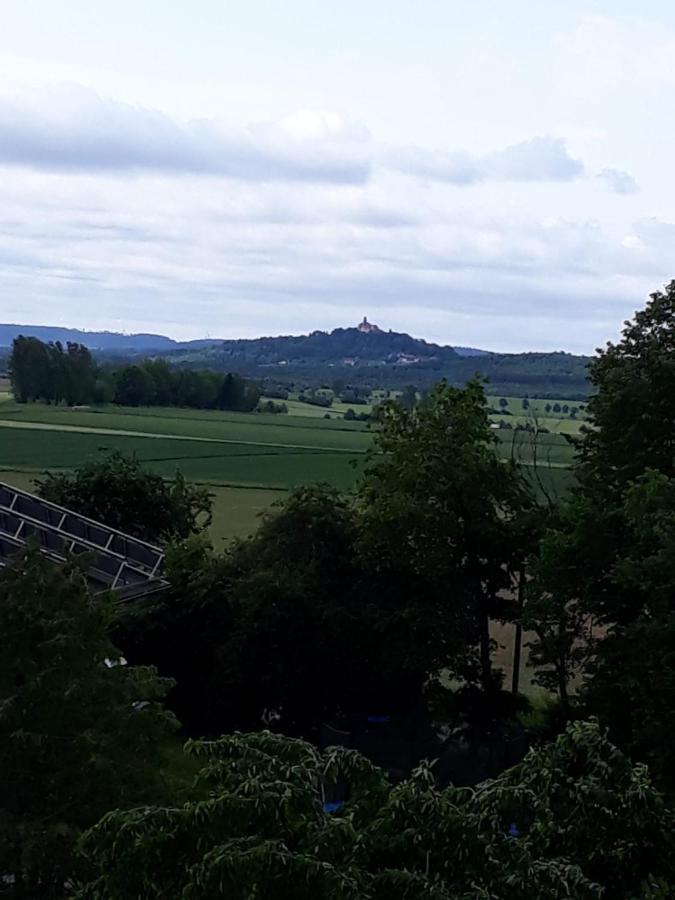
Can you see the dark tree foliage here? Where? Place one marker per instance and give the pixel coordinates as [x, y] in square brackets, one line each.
[302, 643]
[51, 373]
[632, 673]
[631, 414]
[439, 508]
[184, 632]
[117, 490]
[574, 821]
[153, 383]
[79, 731]
[289, 620]
[134, 386]
[602, 590]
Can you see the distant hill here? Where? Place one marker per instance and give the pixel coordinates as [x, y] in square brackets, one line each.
[363, 355]
[95, 340]
[343, 346]
[368, 357]
[368, 338]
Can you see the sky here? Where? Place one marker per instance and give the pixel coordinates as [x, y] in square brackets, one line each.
[494, 174]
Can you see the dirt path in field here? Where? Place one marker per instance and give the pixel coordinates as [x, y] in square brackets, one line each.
[84, 429]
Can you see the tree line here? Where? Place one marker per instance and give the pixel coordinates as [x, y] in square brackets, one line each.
[52, 373]
[379, 601]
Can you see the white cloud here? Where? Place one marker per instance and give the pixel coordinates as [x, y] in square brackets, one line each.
[619, 182]
[76, 130]
[539, 159]
[73, 129]
[204, 255]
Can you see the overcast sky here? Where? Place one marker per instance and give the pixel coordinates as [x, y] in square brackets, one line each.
[496, 173]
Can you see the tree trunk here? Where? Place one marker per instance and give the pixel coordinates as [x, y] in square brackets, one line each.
[518, 640]
[484, 639]
[562, 691]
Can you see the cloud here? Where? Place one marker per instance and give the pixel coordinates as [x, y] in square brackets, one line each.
[539, 159]
[193, 255]
[76, 130]
[653, 232]
[618, 181]
[73, 129]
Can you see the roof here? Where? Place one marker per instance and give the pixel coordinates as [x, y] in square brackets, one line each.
[129, 567]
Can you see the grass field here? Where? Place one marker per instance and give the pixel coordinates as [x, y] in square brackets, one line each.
[248, 460]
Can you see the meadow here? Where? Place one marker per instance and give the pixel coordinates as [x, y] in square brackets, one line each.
[248, 460]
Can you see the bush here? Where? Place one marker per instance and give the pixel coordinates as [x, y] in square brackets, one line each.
[115, 489]
[269, 406]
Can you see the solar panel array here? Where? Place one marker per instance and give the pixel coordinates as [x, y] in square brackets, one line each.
[115, 561]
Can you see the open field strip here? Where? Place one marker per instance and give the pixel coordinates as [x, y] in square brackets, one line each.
[239, 427]
[84, 429]
[245, 458]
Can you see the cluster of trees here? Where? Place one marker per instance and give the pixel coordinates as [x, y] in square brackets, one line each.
[351, 416]
[50, 372]
[269, 406]
[556, 407]
[316, 398]
[377, 602]
[54, 374]
[154, 383]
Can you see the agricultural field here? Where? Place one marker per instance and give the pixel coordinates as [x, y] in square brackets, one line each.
[248, 460]
[307, 411]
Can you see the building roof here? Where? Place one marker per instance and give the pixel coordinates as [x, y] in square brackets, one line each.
[129, 567]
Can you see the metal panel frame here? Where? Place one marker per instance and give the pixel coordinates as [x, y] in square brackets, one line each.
[126, 565]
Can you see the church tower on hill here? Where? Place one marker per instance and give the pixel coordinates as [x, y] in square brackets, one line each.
[367, 326]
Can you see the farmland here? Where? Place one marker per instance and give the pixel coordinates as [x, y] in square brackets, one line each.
[248, 460]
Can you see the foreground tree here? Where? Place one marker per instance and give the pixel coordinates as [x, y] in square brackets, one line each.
[603, 591]
[556, 611]
[631, 412]
[572, 822]
[439, 509]
[117, 490]
[631, 675]
[288, 620]
[79, 731]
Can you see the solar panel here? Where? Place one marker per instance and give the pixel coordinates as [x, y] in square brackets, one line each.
[117, 562]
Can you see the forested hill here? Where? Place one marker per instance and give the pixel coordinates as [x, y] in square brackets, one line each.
[374, 359]
[343, 346]
[365, 356]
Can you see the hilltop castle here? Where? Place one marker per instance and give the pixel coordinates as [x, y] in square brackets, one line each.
[367, 326]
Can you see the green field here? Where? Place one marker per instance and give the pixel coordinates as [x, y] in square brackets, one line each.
[248, 460]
